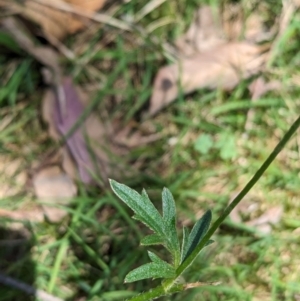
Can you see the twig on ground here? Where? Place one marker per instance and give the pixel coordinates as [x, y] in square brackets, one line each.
[28, 289]
[97, 17]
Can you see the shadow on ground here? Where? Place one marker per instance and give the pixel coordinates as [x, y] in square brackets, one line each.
[17, 270]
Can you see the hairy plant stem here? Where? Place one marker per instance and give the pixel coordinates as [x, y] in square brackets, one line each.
[171, 282]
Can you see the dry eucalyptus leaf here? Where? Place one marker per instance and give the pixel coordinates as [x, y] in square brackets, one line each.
[223, 67]
[204, 33]
[212, 56]
[65, 119]
[53, 21]
[236, 25]
[213, 27]
[60, 121]
[89, 149]
[50, 184]
[94, 150]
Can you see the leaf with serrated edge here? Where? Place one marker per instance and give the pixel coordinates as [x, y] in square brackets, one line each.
[140, 204]
[197, 233]
[152, 239]
[151, 270]
[169, 217]
[168, 206]
[156, 259]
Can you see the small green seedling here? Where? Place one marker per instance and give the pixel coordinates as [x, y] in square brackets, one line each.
[165, 233]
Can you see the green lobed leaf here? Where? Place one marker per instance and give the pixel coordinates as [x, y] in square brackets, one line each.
[141, 205]
[169, 218]
[197, 233]
[152, 239]
[156, 259]
[185, 240]
[168, 206]
[158, 268]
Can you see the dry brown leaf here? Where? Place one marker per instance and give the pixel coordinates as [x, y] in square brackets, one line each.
[212, 28]
[95, 148]
[223, 67]
[237, 26]
[53, 185]
[89, 151]
[49, 185]
[209, 58]
[54, 22]
[204, 33]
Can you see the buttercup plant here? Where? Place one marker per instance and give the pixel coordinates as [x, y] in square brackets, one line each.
[165, 233]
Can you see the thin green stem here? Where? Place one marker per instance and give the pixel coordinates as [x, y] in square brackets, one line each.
[240, 196]
[170, 283]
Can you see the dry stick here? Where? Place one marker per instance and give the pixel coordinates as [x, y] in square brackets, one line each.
[106, 19]
[44, 55]
[28, 289]
[98, 17]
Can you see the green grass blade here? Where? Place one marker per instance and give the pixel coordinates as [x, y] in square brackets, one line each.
[57, 264]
